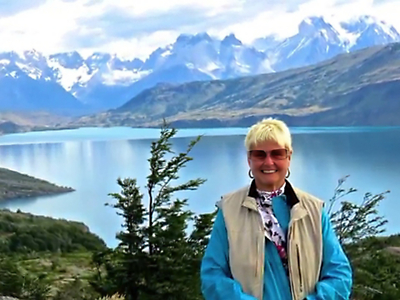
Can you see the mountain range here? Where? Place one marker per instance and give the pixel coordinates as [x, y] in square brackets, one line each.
[69, 84]
[360, 88]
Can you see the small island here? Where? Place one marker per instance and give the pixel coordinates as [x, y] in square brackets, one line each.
[15, 185]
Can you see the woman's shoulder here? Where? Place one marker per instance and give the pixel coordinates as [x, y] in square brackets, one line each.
[307, 197]
[234, 196]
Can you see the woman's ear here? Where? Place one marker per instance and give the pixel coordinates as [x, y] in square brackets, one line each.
[290, 155]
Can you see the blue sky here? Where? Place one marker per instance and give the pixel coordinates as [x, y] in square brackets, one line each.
[134, 28]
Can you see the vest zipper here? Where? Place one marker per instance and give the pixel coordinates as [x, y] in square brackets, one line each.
[298, 266]
[258, 262]
[290, 258]
[257, 259]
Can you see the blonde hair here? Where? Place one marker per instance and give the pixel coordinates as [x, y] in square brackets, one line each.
[269, 130]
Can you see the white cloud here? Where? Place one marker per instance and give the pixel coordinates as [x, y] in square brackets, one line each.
[135, 28]
[40, 28]
[136, 48]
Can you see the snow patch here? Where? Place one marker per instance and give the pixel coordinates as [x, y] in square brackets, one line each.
[4, 62]
[69, 77]
[211, 66]
[302, 43]
[123, 77]
[166, 53]
[32, 72]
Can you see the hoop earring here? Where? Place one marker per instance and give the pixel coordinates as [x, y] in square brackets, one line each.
[288, 173]
[251, 174]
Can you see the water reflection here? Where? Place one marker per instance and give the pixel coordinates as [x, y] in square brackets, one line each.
[92, 167]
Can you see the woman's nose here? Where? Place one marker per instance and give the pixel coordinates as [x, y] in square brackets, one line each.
[268, 160]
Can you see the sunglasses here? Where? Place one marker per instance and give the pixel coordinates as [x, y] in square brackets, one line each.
[276, 154]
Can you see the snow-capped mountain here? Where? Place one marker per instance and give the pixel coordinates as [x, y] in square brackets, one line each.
[28, 83]
[94, 80]
[198, 57]
[217, 59]
[238, 60]
[367, 31]
[31, 62]
[268, 43]
[318, 40]
[104, 81]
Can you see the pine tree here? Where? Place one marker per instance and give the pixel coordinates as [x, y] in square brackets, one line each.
[156, 257]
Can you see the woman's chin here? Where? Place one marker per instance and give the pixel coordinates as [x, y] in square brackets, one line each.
[269, 182]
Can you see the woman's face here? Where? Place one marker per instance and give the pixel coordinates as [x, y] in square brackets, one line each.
[269, 163]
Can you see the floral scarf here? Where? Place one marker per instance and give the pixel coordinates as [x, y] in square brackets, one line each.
[273, 230]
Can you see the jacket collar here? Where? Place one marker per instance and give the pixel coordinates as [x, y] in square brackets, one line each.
[291, 196]
[296, 211]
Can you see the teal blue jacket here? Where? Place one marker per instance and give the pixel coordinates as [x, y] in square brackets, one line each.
[217, 282]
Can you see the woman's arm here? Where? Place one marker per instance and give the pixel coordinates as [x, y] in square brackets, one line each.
[336, 275]
[216, 279]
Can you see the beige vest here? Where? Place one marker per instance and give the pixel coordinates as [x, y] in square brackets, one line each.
[247, 242]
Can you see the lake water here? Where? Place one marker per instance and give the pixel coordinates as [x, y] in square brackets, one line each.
[91, 159]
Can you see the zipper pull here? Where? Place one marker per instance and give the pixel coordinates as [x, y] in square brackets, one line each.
[299, 267]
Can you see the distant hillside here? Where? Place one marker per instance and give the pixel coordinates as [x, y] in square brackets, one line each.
[359, 88]
[15, 122]
[17, 185]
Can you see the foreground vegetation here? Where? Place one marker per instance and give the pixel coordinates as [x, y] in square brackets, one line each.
[26, 233]
[158, 257]
[40, 255]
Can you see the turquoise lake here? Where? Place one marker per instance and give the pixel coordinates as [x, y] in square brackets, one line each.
[91, 159]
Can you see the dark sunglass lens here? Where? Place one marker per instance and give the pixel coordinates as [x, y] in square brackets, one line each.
[258, 154]
[279, 153]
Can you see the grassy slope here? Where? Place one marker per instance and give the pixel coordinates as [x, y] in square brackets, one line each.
[67, 246]
[59, 268]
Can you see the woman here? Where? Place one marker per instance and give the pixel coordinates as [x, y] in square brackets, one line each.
[270, 240]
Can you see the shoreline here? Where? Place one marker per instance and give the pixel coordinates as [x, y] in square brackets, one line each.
[16, 185]
[21, 129]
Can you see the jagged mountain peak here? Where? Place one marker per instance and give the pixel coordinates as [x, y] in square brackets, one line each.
[365, 20]
[70, 54]
[368, 22]
[98, 57]
[107, 80]
[314, 21]
[31, 54]
[313, 26]
[366, 31]
[211, 56]
[193, 39]
[231, 40]
[71, 60]
[316, 40]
